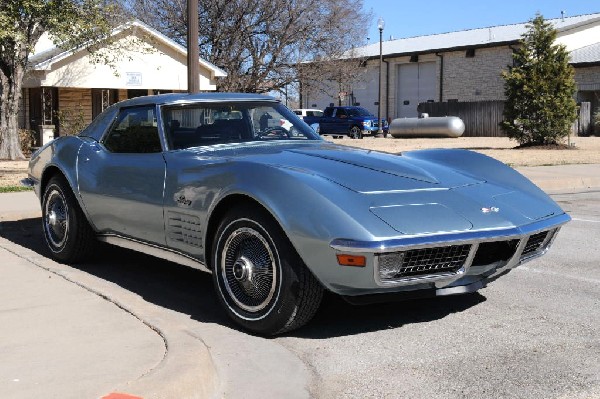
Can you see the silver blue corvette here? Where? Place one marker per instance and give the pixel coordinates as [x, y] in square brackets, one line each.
[237, 184]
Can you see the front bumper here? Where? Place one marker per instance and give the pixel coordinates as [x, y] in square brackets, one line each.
[374, 129]
[473, 271]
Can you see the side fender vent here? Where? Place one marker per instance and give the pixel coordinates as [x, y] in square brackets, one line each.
[184, 228]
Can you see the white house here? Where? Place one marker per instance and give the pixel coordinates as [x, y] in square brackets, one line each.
[68, 85]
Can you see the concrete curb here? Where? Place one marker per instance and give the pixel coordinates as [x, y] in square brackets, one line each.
[187, 369]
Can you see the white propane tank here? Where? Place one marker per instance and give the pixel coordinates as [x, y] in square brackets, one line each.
[425, 126]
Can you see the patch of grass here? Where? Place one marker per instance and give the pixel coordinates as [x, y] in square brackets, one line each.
[14, 189]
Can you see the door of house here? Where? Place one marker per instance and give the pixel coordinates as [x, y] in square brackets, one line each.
[35, 109]
[102, 99]
[43, 108]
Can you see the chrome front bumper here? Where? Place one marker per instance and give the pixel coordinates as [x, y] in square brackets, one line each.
[468, 276]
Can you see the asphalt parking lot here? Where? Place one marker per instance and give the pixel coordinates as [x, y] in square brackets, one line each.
[534, 333]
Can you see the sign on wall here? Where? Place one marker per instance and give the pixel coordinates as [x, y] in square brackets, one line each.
[133, 78]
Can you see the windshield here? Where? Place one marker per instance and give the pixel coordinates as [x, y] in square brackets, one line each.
[358, 111]
[202, 124]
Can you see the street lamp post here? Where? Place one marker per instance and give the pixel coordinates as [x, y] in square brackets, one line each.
[380, 25]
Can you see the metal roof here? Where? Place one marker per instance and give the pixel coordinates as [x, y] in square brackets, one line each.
[490, 36]
[585, 55]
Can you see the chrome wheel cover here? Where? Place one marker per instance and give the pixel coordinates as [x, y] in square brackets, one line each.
[56, 219]
[248, 269]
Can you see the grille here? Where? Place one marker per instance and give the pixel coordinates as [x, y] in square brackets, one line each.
[534, 243]
[422, 262]
[496, 251]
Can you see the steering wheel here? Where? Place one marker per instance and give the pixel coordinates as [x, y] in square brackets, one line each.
[274, 133]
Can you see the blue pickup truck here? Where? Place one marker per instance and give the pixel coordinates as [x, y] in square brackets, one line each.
[351, 121]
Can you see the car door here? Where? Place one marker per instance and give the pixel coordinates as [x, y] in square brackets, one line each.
[342, 123]
[326, 123]
[121, 178]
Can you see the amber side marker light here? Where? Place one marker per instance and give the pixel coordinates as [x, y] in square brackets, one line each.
[351, 260]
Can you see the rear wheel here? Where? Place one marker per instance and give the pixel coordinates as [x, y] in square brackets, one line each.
[259, 278]
[67, 232]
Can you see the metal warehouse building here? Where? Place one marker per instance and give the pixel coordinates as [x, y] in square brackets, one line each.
[463, 67]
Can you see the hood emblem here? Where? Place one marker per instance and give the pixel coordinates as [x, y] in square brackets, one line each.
[492, 209]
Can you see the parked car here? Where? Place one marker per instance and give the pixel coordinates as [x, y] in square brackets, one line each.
[309, 115]
[280, 215]
[351, 121]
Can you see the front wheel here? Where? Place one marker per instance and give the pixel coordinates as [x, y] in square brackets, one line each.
[67, 232]
[355, 132]
[259, 278]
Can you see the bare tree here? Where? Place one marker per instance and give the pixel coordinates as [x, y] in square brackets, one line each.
[331, 76]
[261, 43]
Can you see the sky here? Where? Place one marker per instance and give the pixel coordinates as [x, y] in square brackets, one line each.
[415, 18]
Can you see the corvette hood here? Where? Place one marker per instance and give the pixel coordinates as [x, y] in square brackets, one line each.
[371, 172]
[359, 170]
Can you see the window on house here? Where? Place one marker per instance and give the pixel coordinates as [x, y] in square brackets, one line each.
[470, 53]
[102, 99]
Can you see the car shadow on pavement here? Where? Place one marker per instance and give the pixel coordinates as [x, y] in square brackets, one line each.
[337, 318]
[163, 283]
[190, 291]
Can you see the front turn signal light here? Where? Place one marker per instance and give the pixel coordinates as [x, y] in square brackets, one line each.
[351, 260]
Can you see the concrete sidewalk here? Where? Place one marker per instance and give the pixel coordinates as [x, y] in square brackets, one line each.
[563, 177]
[58, 339]
[65, 333]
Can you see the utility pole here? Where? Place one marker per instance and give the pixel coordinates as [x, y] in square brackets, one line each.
[193, 55]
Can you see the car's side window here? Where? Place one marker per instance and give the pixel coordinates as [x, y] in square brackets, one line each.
[134, 131]
[328, 112]
[341, 113]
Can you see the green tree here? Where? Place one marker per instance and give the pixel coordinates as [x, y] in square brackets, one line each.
[539, 88]
[70, 23]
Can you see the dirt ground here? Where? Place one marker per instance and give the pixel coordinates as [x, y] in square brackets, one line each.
[586, 151]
